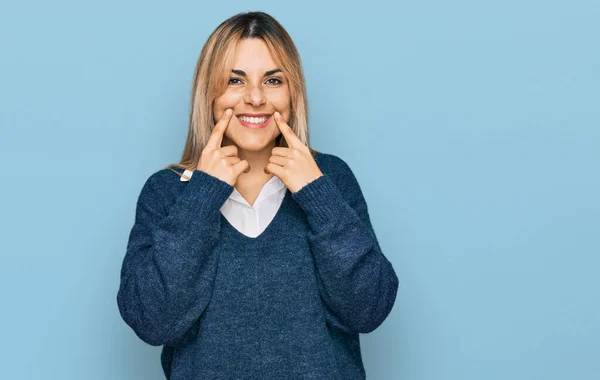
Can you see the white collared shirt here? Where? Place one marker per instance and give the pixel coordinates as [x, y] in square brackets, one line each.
[251, 220]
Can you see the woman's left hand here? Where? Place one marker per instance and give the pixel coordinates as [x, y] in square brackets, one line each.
[295, 166]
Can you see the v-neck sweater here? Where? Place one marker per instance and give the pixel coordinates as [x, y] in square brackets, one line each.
[287, 304]
[251, 219]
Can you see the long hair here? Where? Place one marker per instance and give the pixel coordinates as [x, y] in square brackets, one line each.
[213, 71]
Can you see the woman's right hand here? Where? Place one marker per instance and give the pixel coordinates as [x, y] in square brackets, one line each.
[222, 162]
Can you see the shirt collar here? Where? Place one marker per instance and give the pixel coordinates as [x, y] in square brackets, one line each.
[272, 186]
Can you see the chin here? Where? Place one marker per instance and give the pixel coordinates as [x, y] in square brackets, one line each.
[251, 145]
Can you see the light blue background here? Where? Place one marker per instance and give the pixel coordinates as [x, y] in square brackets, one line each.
[473, 128]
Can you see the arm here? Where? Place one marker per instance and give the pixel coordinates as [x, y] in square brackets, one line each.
[170, 264]
[357, 283]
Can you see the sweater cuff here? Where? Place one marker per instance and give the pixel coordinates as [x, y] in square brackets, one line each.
[205, 193]
[321, 200]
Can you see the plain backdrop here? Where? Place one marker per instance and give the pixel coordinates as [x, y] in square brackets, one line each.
[473, 128]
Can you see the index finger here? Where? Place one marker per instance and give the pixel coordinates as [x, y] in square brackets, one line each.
[216, 137]
[287, 131]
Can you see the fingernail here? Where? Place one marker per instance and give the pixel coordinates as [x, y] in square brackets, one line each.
[228, 111]
[277, 115]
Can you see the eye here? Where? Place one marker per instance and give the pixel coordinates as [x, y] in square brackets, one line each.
[277, 81]
[234, 79]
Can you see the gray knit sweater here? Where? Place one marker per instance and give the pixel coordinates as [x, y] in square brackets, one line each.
[287, 304]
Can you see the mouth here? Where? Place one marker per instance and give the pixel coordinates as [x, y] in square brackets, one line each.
[254, 122]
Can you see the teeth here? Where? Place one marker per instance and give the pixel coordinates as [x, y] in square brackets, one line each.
[255, 120]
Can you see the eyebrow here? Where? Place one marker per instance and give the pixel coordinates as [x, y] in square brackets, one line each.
[243, 73]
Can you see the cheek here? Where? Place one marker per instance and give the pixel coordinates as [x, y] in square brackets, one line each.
[281, 102]
[228, 134]
[227, 100]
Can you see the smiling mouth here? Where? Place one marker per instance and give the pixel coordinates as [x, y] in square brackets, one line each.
[254, 122]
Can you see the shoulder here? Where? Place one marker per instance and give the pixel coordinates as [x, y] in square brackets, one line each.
[165, 175]
[337, 168]
[162, 184]
[332, 164]
[342, 176]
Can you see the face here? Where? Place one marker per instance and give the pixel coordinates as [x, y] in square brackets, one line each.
[255, 91]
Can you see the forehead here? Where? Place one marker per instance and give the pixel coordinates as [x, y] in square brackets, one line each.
[253, 54]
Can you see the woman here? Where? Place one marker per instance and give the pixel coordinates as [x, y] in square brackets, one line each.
[235, 290]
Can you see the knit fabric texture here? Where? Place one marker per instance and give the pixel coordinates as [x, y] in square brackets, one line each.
[287, 304]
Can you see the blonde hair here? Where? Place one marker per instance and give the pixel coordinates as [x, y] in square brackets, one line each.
[213, 71]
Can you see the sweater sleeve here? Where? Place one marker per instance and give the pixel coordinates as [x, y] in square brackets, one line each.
[357, 283]
[170, 264]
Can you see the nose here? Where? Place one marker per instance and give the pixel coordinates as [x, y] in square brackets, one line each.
[254, 95]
